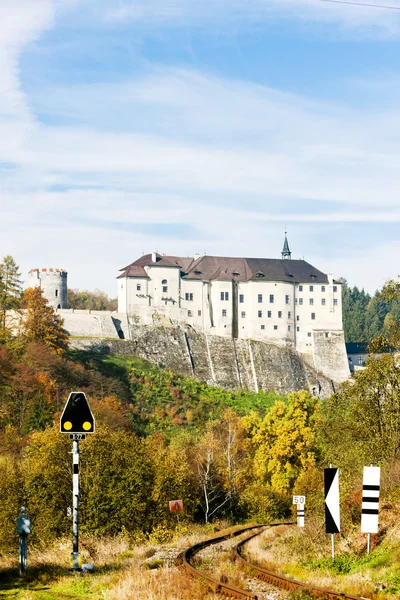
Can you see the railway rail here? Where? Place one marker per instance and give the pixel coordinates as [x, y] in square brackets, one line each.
[228, 591]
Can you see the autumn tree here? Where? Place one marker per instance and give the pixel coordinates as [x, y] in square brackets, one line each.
[285, 440]
[10, 289]
[86, 300]
[42, 323]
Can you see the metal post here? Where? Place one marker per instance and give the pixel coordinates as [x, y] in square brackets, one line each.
[23, 554]
[75, 498]
[368, 543]
[333, 546]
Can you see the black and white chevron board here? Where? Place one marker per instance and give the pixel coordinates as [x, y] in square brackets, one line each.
[370, 500]
[332, 507]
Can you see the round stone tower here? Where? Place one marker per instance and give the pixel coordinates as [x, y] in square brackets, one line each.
[53, 283]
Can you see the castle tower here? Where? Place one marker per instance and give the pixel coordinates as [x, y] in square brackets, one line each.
[53, 283]
[286, 251]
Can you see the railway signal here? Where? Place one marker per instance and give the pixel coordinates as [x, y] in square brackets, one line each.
[77, 420]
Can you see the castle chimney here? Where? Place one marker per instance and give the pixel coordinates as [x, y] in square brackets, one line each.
[154, 257]
[196, 256]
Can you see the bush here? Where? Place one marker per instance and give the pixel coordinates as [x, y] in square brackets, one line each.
[263, 504]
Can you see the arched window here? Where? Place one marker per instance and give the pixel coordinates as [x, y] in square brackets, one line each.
[164, 286]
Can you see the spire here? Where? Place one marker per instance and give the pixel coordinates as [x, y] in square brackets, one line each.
[286, 251]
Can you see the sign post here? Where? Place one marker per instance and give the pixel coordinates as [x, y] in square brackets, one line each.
[370, 502]
[332, 504]
[77, 420]
[23, 529]
[176, 506]
[300, 501]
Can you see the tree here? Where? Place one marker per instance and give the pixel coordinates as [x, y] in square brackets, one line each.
[41, 323]
[285, 441]
[85, 300]
[10, 289]
[362, 423]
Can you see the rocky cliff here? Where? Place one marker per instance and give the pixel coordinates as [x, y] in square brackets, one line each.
[232, 364]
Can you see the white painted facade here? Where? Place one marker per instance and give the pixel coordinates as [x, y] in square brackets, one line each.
[284, 312]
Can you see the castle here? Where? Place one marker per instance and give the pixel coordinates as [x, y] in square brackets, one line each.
[284, 301]
[257, 323]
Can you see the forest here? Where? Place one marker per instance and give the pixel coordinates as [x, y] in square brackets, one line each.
[160, 436]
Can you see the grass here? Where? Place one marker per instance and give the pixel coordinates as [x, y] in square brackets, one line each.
[123, 570]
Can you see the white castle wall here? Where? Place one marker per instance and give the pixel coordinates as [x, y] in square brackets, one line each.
[95, 323]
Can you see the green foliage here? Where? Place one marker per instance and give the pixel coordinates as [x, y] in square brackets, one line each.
[12, 498]
[264, 504]
[10, 291]
[85, 300]
[362, 422]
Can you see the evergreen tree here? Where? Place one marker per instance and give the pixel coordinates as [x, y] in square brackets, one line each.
[10, 289]
[41, 323]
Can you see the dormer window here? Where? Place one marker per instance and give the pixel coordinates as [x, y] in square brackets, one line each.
[197, 272]
[235, 274]
[259, 275]
[313, 276]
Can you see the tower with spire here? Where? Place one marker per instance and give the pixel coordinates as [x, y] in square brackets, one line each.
[286, 251]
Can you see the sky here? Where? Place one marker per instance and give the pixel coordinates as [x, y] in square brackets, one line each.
[199, 126]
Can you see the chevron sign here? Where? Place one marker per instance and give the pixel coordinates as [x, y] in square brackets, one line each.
[332, 507]
[370, 500]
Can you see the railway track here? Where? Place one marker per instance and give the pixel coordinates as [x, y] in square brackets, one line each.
[229, 591]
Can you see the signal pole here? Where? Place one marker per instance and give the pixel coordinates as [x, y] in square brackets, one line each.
[75, 505]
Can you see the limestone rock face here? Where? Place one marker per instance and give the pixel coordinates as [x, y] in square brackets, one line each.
[232, 364]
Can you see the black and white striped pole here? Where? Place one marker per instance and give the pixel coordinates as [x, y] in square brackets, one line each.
[75, 506]
[370, 502]
[77, 420]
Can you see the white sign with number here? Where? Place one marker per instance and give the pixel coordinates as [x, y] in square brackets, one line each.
[299, 499]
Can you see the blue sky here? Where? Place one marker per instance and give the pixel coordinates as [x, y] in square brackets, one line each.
[189, 126]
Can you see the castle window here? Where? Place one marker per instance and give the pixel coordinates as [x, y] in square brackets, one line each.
[189, 296]
[243, 313]
[289, 327]
[224, 295]
[309, 334]
[289, 315]
[241, 298]
[300, 300]
[260, 297]
[138, 287]
[190, 313]
[286, 299]
[335, 302]
[224, 312]
[313, 316]
[259, 275]
[311, 301]
[300, 288]
[322, 288]
[297, 328]
[260, 314]
[311, 288]
[164, 282]
[199, 313]
[165, 289]
[262, 326]
[56, 293]
[335, 288]
[271, 298]
[275, 327]
[323, 301]
[279, 314]
[298, 318]
[269, 314]
[235, 274]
